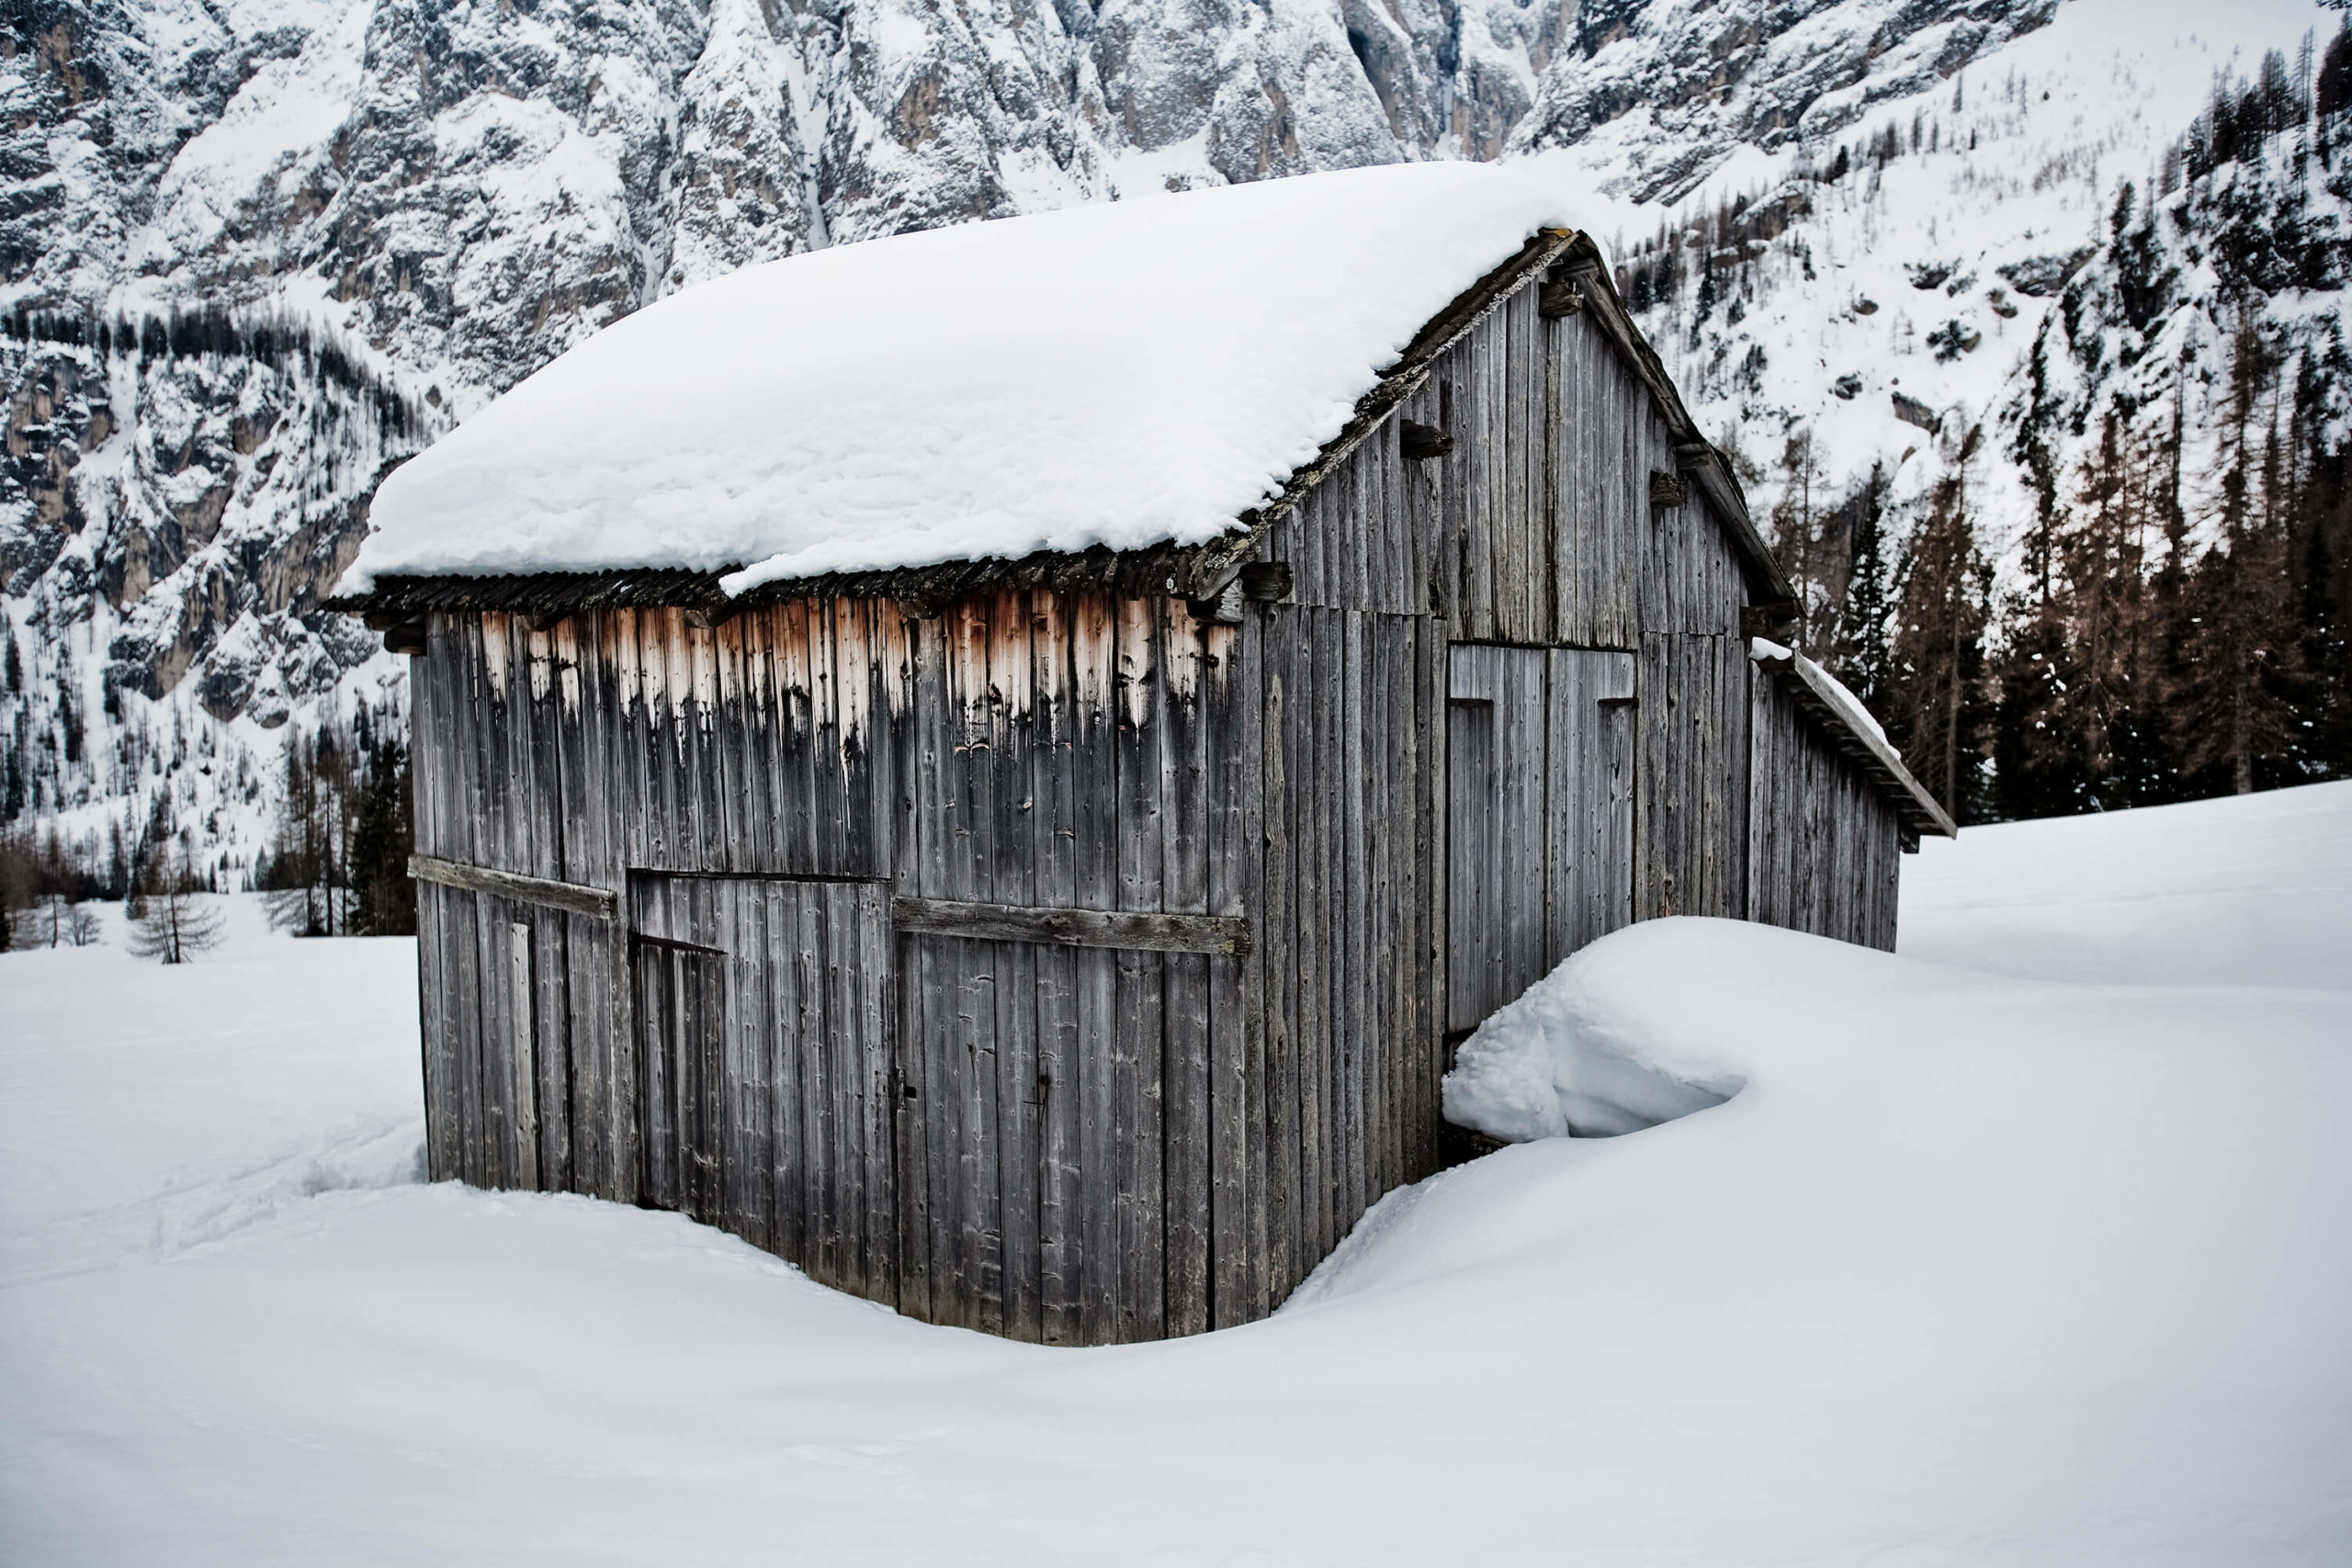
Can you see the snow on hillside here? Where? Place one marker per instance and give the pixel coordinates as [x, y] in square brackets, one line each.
[1966, 1268]
[170, 519]
[2250, 891]
[1881, 311]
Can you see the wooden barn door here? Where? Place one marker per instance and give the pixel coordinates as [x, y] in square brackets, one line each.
[1540, 790]
[764, 1079]
[681, 1004]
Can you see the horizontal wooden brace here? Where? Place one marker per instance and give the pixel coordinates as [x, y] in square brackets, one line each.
[1073, 928]
[602, 903]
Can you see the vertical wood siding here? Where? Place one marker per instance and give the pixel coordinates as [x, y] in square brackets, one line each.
[1825, 846]
[1047, 1142]
[1537, 530]
[1084, 1145]
[1691, 777]
[1348, 955]
[1539, 818]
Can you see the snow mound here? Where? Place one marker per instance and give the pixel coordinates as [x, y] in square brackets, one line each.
[1969, 1270]
[1120, 375]
[2251, 891]
[1546, 1066]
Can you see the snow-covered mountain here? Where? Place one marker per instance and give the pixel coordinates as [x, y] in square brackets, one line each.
[256, 251]
[1967, 258]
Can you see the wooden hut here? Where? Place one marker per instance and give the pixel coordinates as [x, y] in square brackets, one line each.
[1068, 944]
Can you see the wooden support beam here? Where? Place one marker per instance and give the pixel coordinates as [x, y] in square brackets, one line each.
[1073, 928]
[1268, 581]
[600, 903]
[1418, 443]
[1561, 296]
[403, 629]
[1222, 608]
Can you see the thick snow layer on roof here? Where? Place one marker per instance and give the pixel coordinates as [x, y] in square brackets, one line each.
[1120, 375]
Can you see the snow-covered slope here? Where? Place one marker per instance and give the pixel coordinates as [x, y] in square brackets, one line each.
[1871, 294]
[439, 200]
[1967, 1268]
[2252, 891]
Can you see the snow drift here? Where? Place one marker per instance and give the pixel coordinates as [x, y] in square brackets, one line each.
[1969, 1269]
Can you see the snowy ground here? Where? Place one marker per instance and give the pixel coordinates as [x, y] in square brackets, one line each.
[2043, 1260]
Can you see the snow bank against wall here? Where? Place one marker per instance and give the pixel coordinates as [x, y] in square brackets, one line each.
[1117, 375]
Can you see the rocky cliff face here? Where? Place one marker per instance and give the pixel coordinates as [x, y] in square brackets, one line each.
[253, 251]
[1671, 91]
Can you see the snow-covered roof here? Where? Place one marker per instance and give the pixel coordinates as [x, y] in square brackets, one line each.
[1834, 705]
[1125, 375]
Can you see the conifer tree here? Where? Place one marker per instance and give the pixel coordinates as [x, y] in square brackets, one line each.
[383, 895]
[2227, 704]
[306, 877]
[1859, 653]
[176, 924]
[1943, 609]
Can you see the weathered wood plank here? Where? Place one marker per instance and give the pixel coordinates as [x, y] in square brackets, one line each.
[1430, 1063]
[1234, 704]
[753, 1039]
[1329, 892]
[655, 1013]
[1475, 523]
[1381, 827]
[601, 903]
[868, 952]
[523, 1051]
[434, 721]
[1184, 860]
[1474, 803]
[1096, 695]
[1224, 934]
[1276, 956]
[1138, 1088]
[1012, 878]
[1355, 1018]
[1051, 843]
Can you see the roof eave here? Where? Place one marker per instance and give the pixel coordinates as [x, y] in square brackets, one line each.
[1188, 572]
[1918, 810]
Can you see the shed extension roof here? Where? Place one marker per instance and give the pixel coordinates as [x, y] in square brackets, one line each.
[1087, 394]
[1851, 728]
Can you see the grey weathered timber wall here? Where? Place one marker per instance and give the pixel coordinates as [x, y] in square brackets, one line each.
[1825, 843]
[1691, 777]
[1540, 781]
[1085, 1124]
[1053, 1139]
[1349, 958]
[1538, 530]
